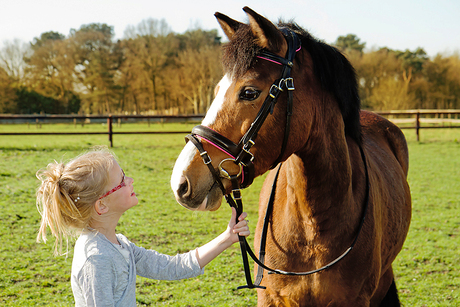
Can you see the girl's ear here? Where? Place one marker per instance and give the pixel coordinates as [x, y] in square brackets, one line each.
[101, 208]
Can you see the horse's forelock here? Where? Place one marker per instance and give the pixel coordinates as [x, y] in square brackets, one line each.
[239, 54]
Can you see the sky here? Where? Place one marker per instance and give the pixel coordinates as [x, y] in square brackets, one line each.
[433, 25]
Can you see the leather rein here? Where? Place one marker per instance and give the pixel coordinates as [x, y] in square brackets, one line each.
[240, 155]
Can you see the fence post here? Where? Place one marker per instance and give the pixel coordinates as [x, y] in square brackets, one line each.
[417, 125]
[109, 124]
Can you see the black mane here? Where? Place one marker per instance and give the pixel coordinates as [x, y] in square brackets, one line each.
[335, 73]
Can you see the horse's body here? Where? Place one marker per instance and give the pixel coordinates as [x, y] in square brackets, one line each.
[321, 189]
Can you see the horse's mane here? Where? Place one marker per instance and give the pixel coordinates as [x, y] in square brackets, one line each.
[334, 72]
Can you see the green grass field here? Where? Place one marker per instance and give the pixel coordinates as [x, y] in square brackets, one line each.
[427, 269]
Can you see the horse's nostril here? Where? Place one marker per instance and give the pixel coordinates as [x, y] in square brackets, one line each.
[184, 188]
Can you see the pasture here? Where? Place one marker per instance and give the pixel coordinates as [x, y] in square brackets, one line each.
[427, 269]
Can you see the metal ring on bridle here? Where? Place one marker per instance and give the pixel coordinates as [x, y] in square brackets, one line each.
[224, 174]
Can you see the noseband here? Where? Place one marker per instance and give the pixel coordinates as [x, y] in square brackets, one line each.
[240, 155]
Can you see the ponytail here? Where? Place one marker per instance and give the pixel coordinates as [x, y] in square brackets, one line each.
[68, 192]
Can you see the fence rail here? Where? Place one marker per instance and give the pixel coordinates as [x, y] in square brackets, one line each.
[85, 119]
[431, 119]
[434, 119]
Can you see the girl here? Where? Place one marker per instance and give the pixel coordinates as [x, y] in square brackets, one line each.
[89, 194]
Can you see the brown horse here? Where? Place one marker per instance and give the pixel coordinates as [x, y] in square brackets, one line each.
[321, 191]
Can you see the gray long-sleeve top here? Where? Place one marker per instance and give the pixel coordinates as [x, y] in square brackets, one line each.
[105, 275]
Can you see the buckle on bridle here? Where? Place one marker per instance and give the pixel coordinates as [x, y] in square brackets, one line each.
[246, 149]
[206, 158]
[236, 194]
[290, 84]
[274, 90]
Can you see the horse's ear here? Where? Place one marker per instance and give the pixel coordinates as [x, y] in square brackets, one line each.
[267, 34]
[228, 25]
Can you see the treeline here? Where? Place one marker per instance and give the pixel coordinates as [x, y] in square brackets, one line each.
[394, 80]
[151, 70]
[154, 70]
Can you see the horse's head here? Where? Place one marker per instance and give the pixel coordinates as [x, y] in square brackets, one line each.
[246, 122]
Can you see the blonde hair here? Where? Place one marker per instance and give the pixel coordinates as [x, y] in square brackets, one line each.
[68, 192]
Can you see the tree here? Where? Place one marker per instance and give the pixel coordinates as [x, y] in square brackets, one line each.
[132, 80]
[152, 47]
[29, 101]
[197, 39]
[383, 81]
[349, 43]
[443, 75]
[7, 93]
[413, 61]
[199, 69]
[198, 75]
[96, 64]
[51, 69]
[12, 60]
[392, 94]
[45, 38]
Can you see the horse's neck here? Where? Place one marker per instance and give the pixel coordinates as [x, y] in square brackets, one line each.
[319, 186]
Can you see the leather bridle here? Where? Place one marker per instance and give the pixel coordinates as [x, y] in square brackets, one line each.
[241, 152]
[240, 155]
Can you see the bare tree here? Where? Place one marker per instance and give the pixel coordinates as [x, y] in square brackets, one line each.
[153, 46]
[199, 73]
[12, 59]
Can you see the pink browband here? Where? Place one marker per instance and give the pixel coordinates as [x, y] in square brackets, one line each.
[224, 151]
[261, 57]
[273, 61]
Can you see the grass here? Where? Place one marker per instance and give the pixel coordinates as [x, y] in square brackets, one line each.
[427, 269]
[428, 266]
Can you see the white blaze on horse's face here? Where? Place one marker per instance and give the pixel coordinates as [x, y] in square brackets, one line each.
[216, 105]
[178, 176]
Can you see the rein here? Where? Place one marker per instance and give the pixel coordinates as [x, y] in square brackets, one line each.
[240, 154]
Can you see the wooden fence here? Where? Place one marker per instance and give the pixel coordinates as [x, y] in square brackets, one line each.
[407, 119]
[85, 119]
[423, 119]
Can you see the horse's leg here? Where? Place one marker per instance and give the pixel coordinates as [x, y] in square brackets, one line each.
[391, 299]
[386, 295]
[265, 298]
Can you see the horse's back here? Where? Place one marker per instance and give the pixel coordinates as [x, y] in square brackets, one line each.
[386, 134]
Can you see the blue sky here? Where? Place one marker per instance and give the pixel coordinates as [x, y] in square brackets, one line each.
[432, 25]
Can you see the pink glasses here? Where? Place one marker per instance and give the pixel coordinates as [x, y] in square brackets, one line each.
[122, 184]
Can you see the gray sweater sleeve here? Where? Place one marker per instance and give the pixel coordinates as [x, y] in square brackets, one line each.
[151, 264]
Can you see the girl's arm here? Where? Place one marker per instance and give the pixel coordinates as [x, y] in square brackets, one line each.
[211, 250]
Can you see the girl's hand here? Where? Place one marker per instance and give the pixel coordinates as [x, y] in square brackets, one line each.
[241, 228]
[211, 250]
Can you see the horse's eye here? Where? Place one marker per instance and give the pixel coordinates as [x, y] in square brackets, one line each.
[249, 94]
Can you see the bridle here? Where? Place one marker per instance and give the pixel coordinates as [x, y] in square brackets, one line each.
[240, 152]
[240, 155]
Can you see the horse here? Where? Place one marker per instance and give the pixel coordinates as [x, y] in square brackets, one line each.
[337, 175]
